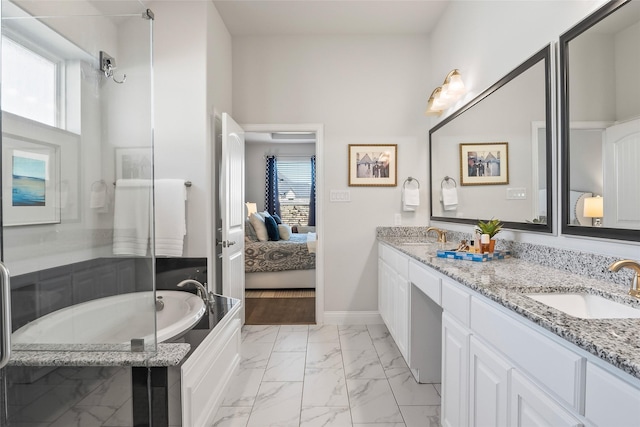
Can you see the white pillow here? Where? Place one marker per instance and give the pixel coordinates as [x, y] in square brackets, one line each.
[285, 231]
[258, 225]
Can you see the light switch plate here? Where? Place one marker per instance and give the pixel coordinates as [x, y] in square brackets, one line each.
[340, 196]
[516, 193]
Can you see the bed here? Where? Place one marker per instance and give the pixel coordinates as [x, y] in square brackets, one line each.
[282, 264]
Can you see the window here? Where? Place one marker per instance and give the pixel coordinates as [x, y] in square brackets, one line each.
[294, 188]
[29, 83]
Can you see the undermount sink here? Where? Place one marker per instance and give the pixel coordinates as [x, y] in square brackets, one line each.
[587, 306]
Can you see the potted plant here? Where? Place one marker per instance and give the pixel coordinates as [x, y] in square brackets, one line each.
[491, 227]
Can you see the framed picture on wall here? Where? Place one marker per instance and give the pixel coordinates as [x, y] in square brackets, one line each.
[484, 163]
[31, 182]
[133, 163]
[373, 165]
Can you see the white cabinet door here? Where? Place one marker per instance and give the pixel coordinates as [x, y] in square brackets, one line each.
[387, 296]
[455, 372]
[610, 401]
[488, 386]
[530, 406]
[402, 316]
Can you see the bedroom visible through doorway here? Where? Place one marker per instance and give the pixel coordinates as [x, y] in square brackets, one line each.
[280, 230]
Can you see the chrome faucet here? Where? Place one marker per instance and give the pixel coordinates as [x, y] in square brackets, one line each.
[634, 265]
[202, 292]
[442, 234]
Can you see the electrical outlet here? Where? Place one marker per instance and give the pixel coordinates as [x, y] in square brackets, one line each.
[397, 219]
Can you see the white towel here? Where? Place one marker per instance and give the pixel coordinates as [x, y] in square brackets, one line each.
[170, 216]
[410, 199]
[131, 217]
[312, 243]
[450, 198]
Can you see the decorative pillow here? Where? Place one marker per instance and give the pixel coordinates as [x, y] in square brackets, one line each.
[258, 225]
[272, 228]
[285, 231]
[249, 231]
[264, 214]
[277, 218]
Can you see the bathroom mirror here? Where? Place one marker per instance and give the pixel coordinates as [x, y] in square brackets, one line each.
[600, 123]
[494, 154]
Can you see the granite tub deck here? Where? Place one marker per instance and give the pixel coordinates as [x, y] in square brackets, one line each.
[167, 354]
[616, 341]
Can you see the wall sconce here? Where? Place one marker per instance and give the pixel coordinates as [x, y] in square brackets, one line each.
[594, 208]
[444, 96]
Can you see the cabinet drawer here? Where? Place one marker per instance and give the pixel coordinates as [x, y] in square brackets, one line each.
[398, 261]
[455, 301]
[554, 366]
[425, 280]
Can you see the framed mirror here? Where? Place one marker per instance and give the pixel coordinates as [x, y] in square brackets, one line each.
[600, 123]
[492, 157]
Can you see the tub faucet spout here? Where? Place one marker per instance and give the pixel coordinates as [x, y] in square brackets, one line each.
[634, 265]
[206, 296]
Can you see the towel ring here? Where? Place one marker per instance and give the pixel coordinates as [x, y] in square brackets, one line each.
[447, 181]
[410, 180]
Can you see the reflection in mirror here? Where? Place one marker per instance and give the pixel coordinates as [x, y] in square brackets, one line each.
[600, 119]
[490, 159]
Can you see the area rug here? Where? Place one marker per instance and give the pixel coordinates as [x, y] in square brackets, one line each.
[280, 307]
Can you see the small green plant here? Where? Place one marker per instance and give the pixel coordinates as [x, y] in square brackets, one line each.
[491, 227]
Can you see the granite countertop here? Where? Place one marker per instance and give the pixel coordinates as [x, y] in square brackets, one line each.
[616, 341]
[167, 354]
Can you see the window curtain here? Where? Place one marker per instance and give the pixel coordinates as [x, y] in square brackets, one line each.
[271, 200]
[312, 195]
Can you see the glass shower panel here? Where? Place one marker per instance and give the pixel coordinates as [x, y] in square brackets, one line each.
[77, 169]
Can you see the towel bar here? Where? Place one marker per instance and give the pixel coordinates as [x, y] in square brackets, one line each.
[186, 183]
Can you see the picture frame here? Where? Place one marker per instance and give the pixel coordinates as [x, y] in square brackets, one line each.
[31, 182]
[484, 163]
[133, 163]
[373, 165]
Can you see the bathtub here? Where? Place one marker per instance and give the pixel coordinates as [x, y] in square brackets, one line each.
[116, 320]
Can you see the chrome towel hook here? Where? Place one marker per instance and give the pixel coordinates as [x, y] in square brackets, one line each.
[108, 65]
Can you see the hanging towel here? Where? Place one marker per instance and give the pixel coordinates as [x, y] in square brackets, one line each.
[131, 217]
[450, 198]
[170, 216]
[410, 199]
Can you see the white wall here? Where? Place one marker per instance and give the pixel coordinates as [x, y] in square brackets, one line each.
[485, 40]
[365, 90]
[192, 60]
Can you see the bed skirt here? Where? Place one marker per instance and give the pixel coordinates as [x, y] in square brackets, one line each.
[290, 279]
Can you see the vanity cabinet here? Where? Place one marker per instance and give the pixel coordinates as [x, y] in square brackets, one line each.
[498, 368]
[393, 295]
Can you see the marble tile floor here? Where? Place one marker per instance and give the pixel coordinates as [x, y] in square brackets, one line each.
[325, 376]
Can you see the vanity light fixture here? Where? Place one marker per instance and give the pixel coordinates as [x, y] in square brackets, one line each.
[594, 208]
[444, 96]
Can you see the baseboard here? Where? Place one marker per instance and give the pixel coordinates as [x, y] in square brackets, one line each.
[352, 318]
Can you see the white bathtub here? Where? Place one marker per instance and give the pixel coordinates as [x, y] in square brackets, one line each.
[115, 320]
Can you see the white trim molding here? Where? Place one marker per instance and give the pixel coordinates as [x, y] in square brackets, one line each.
[352, 318]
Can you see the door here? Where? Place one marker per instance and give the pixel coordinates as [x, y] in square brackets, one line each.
[622, 176]
[232, 208]
[455, 372]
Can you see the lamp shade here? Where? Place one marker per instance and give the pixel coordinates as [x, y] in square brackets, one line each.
[594, 207]
[251, 208]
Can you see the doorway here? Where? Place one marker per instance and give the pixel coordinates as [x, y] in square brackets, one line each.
[287, 291]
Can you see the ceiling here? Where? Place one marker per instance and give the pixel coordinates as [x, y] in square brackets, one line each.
[318, 17]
